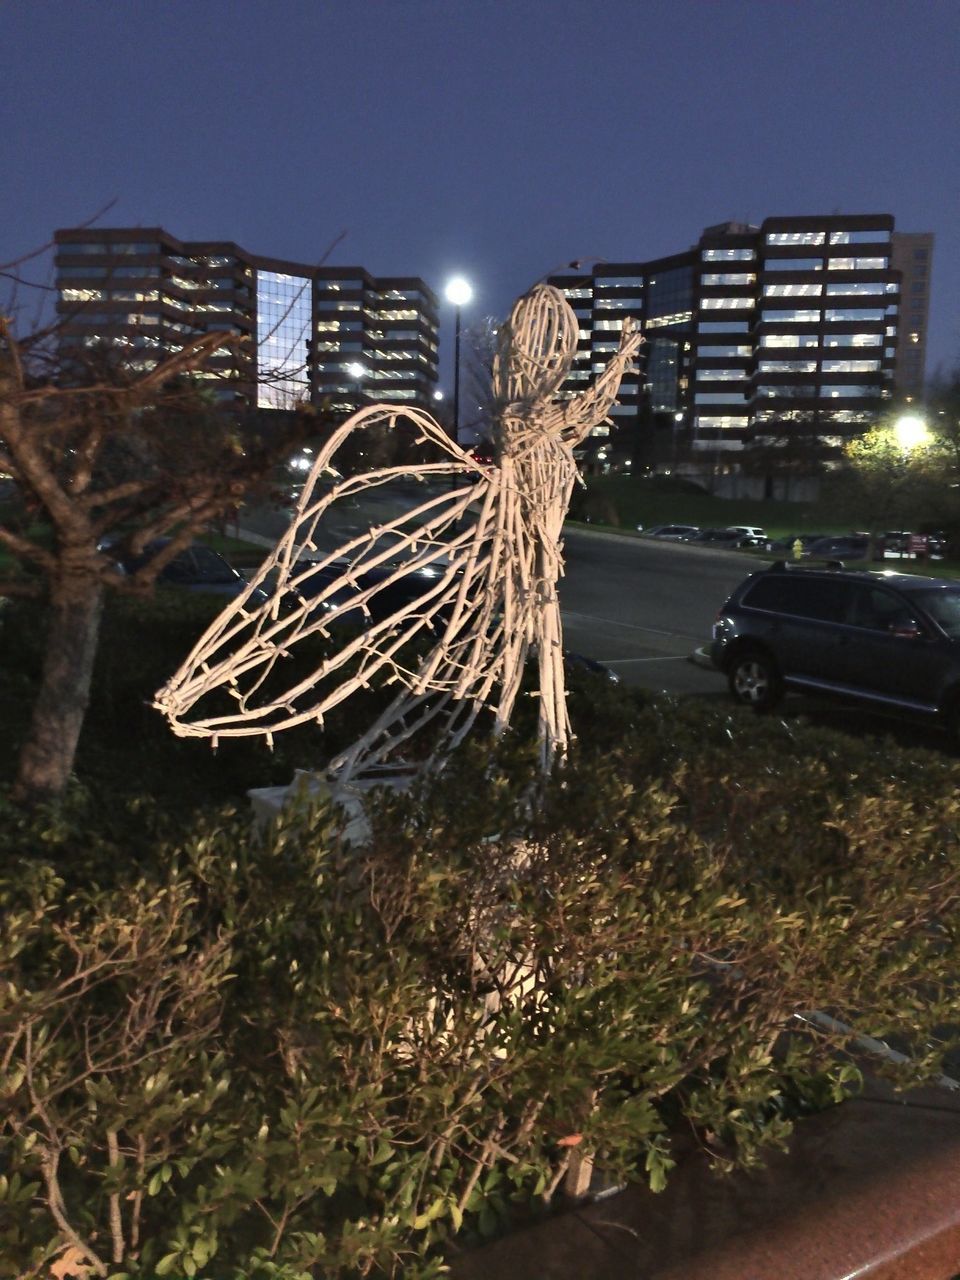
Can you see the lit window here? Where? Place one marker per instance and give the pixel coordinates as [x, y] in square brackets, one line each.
[856, 287]
[602, 303]
[721, 375]
[788, 366]
[728, 277]
[720, 422]
[677, 317]
[850, 393]
[722, 304]
[789, 340]
[728, 255]
[792, 290]
[857, 264]
[851, 366]
[859, 237]
[795, 391]
[793, 317]
[852, 313]
[795, 237]
[853, 340]
[81, 295]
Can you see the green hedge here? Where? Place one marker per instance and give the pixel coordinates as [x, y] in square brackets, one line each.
[235, 1056]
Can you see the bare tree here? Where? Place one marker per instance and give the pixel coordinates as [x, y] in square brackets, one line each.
[118, 454]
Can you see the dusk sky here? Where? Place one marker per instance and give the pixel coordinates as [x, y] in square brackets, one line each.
[494, 138]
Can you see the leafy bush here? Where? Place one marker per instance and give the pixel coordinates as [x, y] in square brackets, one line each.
[238, 1055]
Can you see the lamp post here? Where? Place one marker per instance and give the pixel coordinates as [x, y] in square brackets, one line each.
[910, 433]
[356, 371]
[459, 292]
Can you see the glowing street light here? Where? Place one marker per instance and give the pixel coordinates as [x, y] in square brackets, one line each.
[459, 292]
[911, 432]
[357, 372]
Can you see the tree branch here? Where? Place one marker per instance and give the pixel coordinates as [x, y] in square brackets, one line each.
[27, 550]
[48, 1166]
[116, 1221]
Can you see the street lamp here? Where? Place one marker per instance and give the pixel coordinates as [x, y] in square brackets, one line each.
[458, 292]
[357, 371]
[911, 432]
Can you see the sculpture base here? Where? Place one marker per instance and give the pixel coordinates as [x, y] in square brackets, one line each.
[269, 802]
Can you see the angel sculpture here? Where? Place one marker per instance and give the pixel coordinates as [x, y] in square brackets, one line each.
[488, 554]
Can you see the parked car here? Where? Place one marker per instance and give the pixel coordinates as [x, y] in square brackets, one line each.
[672, 532]
[751, 534]
[718, 537]
[890, 639]
[842, 547]
[196, 568]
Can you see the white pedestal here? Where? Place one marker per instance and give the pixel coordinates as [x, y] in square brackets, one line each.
[268, 802]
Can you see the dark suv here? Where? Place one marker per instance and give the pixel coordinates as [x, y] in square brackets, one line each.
[891, 639]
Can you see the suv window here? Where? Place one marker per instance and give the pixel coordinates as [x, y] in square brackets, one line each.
[943, 605]
[878, 610]
[822, 599]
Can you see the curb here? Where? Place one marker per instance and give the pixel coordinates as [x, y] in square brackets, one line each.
[701, 658]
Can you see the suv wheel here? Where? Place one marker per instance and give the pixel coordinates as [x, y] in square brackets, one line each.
[754, 679]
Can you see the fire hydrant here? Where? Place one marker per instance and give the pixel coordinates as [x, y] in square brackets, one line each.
[797, 549]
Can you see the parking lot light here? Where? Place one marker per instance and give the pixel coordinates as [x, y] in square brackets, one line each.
[911, 432]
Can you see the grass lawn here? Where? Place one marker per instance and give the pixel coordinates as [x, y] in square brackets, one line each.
[661, 501]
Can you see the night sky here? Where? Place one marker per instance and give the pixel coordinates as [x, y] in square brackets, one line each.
[494, 138]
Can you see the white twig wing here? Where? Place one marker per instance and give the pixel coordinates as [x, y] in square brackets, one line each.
[453, 593]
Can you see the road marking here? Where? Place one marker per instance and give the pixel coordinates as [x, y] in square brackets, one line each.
[622, 662]
[630, 626]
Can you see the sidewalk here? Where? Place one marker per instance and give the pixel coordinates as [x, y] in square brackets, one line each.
[869, 1189]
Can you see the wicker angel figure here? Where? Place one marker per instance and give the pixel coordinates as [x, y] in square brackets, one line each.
[487, 554]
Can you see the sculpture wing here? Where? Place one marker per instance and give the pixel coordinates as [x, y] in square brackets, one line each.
[380, 579]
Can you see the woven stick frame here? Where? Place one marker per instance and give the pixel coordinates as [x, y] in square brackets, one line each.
[492, 548]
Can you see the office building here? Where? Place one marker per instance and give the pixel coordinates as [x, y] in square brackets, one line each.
[336, 336]
[758, 333]
[912, 256]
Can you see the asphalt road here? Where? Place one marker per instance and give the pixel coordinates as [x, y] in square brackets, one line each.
[641, 607]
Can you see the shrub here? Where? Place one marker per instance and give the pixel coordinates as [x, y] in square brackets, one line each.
[230, 1055]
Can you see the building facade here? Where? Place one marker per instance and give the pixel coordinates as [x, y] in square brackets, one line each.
[756, 333]
[912, 256]
[336, 336]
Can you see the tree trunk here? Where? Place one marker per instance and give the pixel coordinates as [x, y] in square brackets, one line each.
[73, 629]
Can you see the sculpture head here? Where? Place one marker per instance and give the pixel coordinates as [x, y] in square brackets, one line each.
[536, 347]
